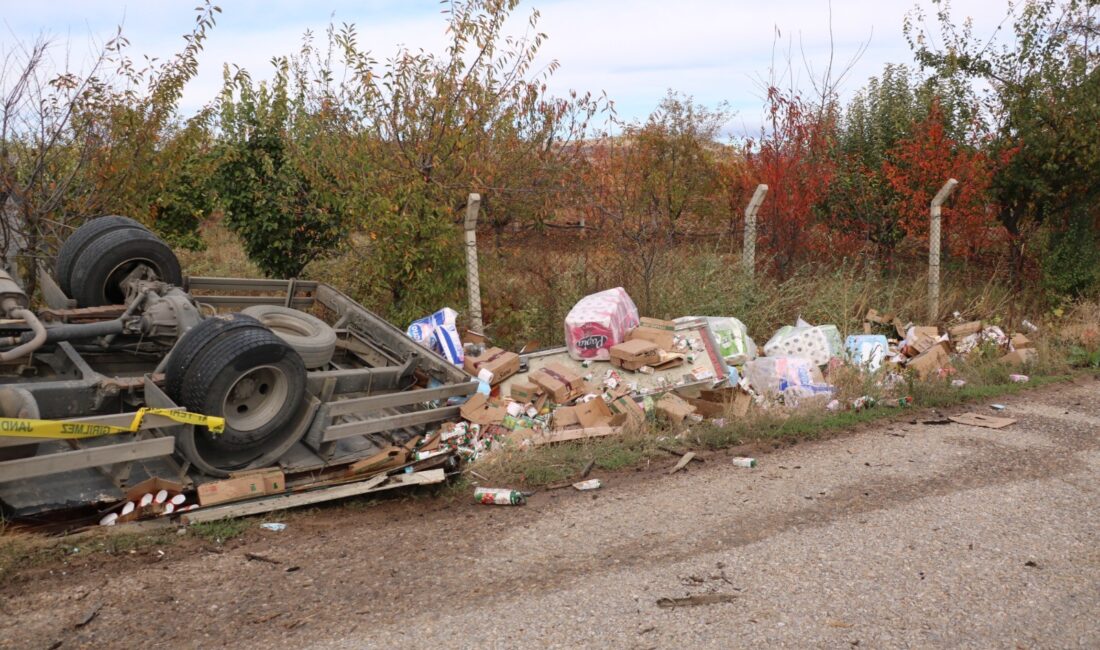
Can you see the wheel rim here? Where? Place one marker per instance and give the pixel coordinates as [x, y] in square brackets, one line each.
[113, 292]
[255, 398]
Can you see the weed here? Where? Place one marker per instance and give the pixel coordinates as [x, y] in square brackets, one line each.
[220, 531]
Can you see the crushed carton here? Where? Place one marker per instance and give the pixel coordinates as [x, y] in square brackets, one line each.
[499, 364]
[1021, 357]
[735, 346]
[674, 409]
[560, 382]
[630, 411]
[479, 410]
[957, 332]
[633, 354]
[242, 485]
[524, 391]
[657, 331]
[1020, 342]
[932, 360]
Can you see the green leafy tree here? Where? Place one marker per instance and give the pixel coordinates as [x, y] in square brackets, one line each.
[1041, 106]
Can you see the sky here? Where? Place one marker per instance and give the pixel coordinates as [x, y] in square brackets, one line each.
[634, 50]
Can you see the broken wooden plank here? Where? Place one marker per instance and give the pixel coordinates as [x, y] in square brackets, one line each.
[293, 500]
[682, 463]
[564, 435]
[979, 420]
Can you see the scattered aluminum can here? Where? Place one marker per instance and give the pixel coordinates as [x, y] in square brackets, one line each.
[273, 527]
[590, 484]
[997, 407]
[744, 461]
[499, 497]
[958, 383]
[1019, 379]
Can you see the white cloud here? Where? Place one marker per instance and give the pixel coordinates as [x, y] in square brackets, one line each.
[633, 49]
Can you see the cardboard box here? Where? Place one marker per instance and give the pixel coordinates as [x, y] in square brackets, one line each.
[631, 355]
[628, 409]
[722, 403]
[593, 413]
[674, 409]
[243, 485]
[560, 382]
[502, 363]
[565, 417]
[930, 361]
[149, 486]
[479, 410]
[654, 330]
[1020, 342]
[965, 329]
[1022, 357]
[524, 391]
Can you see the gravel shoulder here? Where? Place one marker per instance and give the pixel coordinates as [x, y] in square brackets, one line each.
[895, 535]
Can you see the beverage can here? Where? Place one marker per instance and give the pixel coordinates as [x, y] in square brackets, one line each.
[499, 497]
[743, 461]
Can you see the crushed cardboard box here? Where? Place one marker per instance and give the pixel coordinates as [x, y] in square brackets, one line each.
[674, 409]
[635, 353]
[657, 331]
[479, 410]
[1021, 357]
[242, 485]
[930, 361]
[502, 364]
[562, 383]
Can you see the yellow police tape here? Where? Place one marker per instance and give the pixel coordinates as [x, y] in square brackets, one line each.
[69, 430]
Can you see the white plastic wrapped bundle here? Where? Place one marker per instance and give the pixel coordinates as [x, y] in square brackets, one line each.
[439, 334]
[598, 322]
[817, 343]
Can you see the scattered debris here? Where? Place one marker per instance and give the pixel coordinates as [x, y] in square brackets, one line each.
[90, 616]
[499, 497]
[682, 463]
[273, 527]
[696, 600]
[261, 558]
[590, 484]
[744, 461]
[979, 420]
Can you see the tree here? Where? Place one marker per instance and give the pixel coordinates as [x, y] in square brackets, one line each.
[918, 165]
[792, 156]
[645, 185]
[1041, 104]
[77, 144]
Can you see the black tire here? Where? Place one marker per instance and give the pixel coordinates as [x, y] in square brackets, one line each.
[241, 368]
[106, 260]
[193, 341]
[80, 238]
[312, 338]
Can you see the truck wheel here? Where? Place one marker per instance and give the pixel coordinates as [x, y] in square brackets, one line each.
[193, 341]
[256, 382]
[96, 277]
[312, 338]
[75, 243]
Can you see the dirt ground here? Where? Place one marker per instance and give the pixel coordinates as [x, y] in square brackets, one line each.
[897, 535]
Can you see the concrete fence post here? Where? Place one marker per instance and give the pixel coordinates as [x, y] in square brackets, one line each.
[748, 252]
[934, 248]
[473, 283]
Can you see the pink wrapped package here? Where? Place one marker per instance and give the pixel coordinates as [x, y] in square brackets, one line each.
[598, 322]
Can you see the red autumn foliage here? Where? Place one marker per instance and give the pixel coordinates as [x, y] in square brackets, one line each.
[792, 158]
[917, 168]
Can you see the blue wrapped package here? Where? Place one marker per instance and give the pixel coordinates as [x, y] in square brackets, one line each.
[867, 350]
[439, 334]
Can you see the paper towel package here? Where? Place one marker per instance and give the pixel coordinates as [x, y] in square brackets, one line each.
[818, 344]
[598, 322]
[439, 334]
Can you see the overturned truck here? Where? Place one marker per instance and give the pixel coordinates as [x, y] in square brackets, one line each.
[307, 380]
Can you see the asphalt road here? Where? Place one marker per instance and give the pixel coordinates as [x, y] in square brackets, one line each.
[899, 535]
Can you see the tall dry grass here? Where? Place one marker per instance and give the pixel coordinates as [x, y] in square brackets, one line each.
[527, 288]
